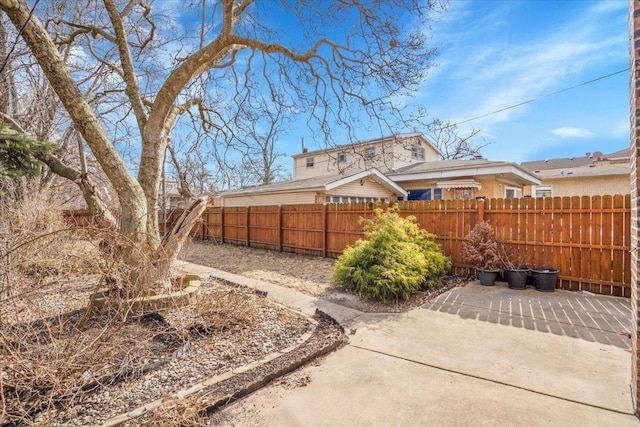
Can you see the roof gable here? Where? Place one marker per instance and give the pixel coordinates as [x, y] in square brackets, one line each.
[319, 183]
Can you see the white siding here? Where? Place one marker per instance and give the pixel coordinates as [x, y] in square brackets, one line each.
[388, 156]
[271, 199]
[369, 188]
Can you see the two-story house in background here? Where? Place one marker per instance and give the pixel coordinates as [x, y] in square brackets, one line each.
[398, 167]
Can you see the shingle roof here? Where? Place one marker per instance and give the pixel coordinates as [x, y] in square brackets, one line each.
[388, 138]
[569, 162]
[625, 152]
[317, 183]
[448, 165]
[300, 184]
[563, 163]
[586, 171]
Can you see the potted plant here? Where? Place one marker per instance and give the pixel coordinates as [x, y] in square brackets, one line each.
[481, 251]
[516, 271]
[545, 279]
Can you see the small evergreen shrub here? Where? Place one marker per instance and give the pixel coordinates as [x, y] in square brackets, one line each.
[396, 258]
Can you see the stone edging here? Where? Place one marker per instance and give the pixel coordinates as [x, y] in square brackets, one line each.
[251, 387]
[152, 303]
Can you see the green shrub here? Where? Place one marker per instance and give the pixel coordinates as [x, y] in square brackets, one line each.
[396, 258]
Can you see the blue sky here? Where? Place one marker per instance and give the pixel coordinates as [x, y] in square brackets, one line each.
[495, 54]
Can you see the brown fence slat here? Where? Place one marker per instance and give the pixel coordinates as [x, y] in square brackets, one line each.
[586, 238]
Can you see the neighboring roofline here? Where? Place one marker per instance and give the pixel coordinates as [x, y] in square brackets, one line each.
[371, 141]
[382, 180]
[268, 189]
[580, 161]
[493, 168]
[584, 173]
[249, 192]
[328, 185]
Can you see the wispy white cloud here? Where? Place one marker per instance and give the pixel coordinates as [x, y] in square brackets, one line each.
[504, 72]
[571, 132]
[621, 129]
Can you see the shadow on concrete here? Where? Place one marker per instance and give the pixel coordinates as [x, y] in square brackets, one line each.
[595, 318]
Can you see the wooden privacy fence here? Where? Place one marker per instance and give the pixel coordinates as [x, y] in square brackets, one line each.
[586, 238]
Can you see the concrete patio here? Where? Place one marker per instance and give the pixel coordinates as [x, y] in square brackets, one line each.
[473, 356]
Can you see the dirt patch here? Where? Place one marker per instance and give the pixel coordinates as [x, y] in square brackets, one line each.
[310, 275]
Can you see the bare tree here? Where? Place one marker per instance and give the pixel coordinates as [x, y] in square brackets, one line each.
[258, 128]
[453, 142]
[154, 73]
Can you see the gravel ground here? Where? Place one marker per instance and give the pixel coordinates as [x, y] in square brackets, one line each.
[227, 328]
[310, 275]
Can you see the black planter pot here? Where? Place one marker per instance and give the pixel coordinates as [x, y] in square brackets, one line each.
[487, 277]
[516, 277]
[545, 279]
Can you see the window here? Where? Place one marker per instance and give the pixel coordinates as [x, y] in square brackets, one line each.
[543, 192]
[425, 194]
[342, 157]
[417, 153]
[310, 162]
[370, 152]
[512, 192]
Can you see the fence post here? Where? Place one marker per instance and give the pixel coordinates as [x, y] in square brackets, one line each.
[324, 230]
[481, 210]
[205, 226]
[246, 221]
[222, 224]
[280, 228]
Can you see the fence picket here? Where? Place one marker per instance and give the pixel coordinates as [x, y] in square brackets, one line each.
[587, 239]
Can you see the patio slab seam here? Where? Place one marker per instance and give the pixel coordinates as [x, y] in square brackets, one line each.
[502, 383]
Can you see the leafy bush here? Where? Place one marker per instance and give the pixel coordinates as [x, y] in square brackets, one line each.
[394, 261]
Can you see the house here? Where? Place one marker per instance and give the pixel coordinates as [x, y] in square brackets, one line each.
[400, 167]
[589, 175]
[170, 197]
[384, 154]
[364, 186]
[463, 179]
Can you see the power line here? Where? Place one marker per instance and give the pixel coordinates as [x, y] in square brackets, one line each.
[538, 98]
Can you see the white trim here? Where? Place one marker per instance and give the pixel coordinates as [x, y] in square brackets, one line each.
[516, 191]
[377, 176]
[535, 189]
[471, 170]
[460, 183]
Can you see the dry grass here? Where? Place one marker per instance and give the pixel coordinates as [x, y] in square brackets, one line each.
[56, 351]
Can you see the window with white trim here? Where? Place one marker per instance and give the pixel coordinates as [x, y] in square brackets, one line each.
[352, 199]
[512, 192]
[425, 194]
[543, 192]
[310, 162]
[417, 153]
[342, 157]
